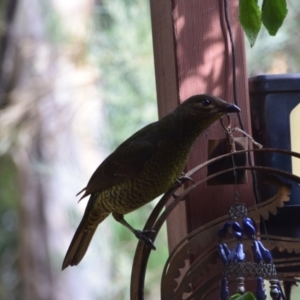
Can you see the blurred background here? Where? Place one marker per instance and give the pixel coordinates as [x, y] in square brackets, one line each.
[76, 79]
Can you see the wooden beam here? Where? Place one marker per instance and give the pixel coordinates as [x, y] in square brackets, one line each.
[167, 90]
[193, 55]
[205, 66]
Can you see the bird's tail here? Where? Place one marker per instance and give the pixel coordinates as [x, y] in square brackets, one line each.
[81, 241]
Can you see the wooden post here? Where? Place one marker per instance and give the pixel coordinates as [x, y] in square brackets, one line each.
[192, 55]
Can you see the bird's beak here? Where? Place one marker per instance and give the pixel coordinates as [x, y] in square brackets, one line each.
[231, 108]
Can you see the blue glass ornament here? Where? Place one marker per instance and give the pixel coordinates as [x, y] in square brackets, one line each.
[223, 231]
[266, 254]
[237, 254]
[248, 228]
[260, 291]
[226, 249]
[224, 291]
[222, 254]
[257, 257]
[237, 230]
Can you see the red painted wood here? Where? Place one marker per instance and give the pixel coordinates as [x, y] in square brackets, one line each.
[193, 56]
[167, 91]
[204, 66]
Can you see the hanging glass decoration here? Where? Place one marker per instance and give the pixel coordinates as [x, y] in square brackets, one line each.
[234, 260]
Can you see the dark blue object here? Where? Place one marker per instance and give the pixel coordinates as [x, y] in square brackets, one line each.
[265, 253]
[224, 291]
[279, 292]
[226, 249]
[248, 220]
[257, 256]
[248, 228]
[237, 254]
[222, 254]
[240, 252]
[237, 230]
[272, 99]
[260, 292]
[223, 231]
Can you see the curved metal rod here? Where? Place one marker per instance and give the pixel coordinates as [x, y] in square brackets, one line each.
[210, 254]
[188, 190]
[200, 166]
[203, 290]
[142, 253]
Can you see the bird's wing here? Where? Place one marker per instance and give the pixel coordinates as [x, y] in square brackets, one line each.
[125, 162]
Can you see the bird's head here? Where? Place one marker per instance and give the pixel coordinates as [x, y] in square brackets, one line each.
[205, 109]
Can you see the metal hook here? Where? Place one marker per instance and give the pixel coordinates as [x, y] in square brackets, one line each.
[229, 130]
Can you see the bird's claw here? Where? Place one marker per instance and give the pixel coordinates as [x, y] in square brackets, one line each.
[183, 178]
[141, 235]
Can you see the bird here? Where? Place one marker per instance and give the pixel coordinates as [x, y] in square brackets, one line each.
[143, 167]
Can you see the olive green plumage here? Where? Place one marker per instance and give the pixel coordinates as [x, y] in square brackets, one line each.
[144, 166]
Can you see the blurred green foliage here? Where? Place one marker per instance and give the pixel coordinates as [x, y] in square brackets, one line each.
[122, 47]
[246, 296]
[9, 199]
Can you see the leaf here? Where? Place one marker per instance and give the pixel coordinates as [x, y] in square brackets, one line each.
[250, 19]
[246, 296]
[273, 14]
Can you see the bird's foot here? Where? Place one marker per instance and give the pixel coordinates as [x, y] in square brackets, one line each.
[142, 236]
[183, 178]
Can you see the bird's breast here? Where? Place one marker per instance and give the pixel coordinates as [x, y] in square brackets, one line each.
[157, 176]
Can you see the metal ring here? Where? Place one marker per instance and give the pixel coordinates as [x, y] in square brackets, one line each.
[228, 128]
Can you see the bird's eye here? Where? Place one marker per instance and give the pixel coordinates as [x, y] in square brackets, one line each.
[206, 102]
